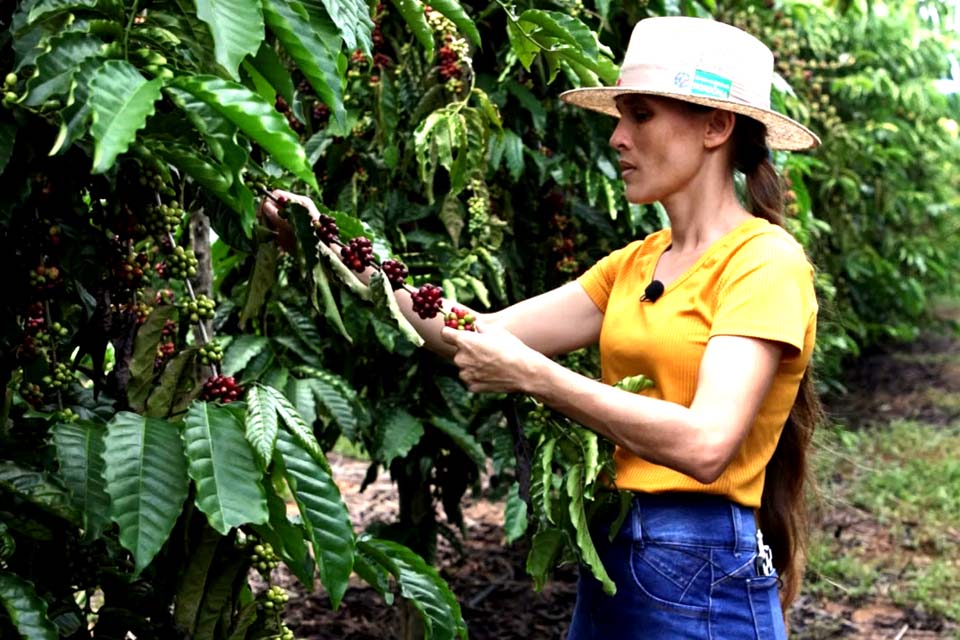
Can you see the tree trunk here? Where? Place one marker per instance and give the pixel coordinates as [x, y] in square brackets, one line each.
[418, 525]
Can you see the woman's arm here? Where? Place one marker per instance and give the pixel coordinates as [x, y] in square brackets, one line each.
[552, 323]
[700, 441]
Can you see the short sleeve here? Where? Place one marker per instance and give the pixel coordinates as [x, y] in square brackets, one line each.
[766, 291]
[598, 280]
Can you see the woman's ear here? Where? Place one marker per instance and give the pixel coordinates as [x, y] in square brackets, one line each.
[719, 128]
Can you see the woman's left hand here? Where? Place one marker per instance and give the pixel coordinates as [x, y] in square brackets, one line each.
[492, 359]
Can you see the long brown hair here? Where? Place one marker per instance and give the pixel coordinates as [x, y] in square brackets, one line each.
[783, 513]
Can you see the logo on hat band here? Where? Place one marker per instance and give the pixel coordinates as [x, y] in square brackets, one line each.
[710, 85]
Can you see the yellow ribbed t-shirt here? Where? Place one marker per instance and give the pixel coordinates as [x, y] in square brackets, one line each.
[756, 282]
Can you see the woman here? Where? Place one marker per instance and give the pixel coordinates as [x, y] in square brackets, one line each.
[718, 310]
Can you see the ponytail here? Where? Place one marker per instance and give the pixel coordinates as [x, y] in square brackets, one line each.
[782, 515]
[751, 157]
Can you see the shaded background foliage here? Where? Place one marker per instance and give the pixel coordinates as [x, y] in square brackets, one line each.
[439, 135]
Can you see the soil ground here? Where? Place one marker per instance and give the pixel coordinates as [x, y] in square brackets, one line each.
[498, 599]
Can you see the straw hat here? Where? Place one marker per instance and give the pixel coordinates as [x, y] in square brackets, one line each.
[701, 61]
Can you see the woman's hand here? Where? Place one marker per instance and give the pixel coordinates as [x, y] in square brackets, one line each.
[270, 211]
[492, 359]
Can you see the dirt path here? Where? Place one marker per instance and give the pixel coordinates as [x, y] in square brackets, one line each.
[498, 599]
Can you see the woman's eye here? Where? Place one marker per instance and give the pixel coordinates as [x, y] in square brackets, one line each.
[640, 116]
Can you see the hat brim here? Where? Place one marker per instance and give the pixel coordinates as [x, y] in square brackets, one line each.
[782, 132]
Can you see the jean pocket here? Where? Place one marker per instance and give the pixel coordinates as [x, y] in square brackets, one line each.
[765, 606]
[674, 577]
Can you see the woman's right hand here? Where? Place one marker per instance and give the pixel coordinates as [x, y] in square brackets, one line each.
[270, 212]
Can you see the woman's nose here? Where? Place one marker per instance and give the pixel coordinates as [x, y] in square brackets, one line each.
[619, 139]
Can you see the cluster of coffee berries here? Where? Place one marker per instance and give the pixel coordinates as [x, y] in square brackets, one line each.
[286, 633]
[181, 263]
[460, 319]
[223, 389]
[167, 346]
[65, 415]
[453, 54]
[449, 63]
[32, 393]
[478, 208]
[263, 558]
[60, 377]
[164, 296]
[211, 352]
[141, 310]
[9, 84]
[163, 219]
[358, 253]
[201, 308]
[44, 278]
[325, 228]
[427, 301]
[284, 109]
[131, 269]
[396, 272]
[36, 317]
[274, 598]
[165, 351]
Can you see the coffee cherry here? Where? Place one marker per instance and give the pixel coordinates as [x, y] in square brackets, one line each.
[263, 558]
[163, 219]
[358, 254]
[165, 351]
[35, 318]
[164, 296]
[44, 278]
[396, 272]
[274, 598]
[427, 301]
[211, 352]
[60, 377]
[66, 415]
[325, 227]
[222, 389]
[32, 393]
[181, 263]
[460, 319]
[203, 308]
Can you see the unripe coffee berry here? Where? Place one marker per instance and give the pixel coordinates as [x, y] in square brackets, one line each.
[460, 319]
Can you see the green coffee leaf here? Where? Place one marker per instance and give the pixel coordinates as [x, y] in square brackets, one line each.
[221, 464]
[146, 474]
[120, 101]
[236, 27]
[80, 447]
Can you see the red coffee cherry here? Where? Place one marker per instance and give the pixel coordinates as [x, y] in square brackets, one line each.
[326, 229]
[223, 389]
[358, 254]
[396, 272]
[427, 301]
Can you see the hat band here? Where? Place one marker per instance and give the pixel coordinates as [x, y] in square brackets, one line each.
[690, 82]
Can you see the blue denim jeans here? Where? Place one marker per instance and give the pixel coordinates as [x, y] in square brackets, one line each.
[684, 566]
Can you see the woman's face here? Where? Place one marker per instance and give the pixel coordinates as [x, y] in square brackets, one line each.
[661, 146]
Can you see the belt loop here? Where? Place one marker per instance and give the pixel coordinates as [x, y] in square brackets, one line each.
[737, 526]
[635, 522]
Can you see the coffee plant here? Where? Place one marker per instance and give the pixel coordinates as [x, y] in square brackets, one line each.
[176, 371]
